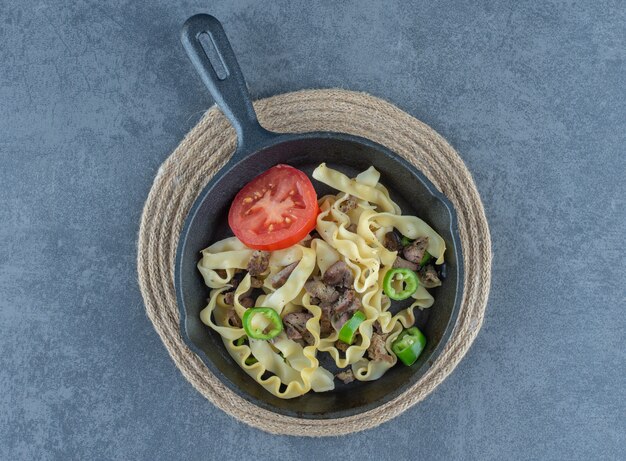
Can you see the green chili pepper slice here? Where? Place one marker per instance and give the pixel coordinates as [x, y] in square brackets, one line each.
[406, 277]
[409, 345]
[349, 329]
[406, 241]
[241, 341]
[270, 331]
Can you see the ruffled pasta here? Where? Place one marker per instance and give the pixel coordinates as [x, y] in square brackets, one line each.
[287, 368]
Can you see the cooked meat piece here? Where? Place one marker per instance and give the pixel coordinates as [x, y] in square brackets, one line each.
[233, 318]
[338, 275]
[415, 251]
[221, 273]
[245, 299]
[428, 277]
[401, 263]
[295, 326]
[348, 204]
[255, 282]
[347, 302]
[377, 350]
[346, 376]
[314, 300]
[279, 278]
[352, 228]
[321, 291]
[339, 319]
[341, 346]
[378, 330]
[306, 340]
[392, 242]
[326, 327]
[335, 314]
[258, 262]
[246, 302]
[235, 281]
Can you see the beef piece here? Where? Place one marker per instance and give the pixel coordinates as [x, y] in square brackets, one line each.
[352, 228]
[295, 326]
[379, 330]
[308, 338]
[279, 278]
[221, 272]
[338, 320]
[321, 291]
[314, 300]
[348, 204]
[245, 299]
[428, 277]
[377, 350]
[255, 282]
[347, 302]
[338, 275]
[229, 298]
[392, 242]
[342, 310]
[401, 263]
[233, 318]
[415, 251]
[326, 327]
[341, 346]
[258, 262]
[335, 314]
[346, 376]
[246, 302]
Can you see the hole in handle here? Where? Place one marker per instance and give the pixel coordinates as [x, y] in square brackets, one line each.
[215, 58]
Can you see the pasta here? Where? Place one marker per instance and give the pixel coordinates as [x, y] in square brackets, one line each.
[350, 232]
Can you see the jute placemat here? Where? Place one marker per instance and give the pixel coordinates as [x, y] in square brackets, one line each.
[207, 147]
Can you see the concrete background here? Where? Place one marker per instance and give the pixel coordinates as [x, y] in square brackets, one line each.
[94, 96]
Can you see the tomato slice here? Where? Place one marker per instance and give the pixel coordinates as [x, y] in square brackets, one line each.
[275, 210]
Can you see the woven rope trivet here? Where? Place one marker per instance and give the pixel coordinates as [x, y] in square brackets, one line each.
[207, 147]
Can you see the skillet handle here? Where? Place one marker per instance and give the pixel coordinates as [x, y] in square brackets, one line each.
[202, 35]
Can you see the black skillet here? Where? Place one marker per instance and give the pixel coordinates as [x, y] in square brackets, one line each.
[258, 150]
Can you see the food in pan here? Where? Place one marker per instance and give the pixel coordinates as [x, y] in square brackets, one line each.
[305, 279]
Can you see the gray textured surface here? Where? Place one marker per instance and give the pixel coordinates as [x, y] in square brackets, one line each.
[93, 97]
